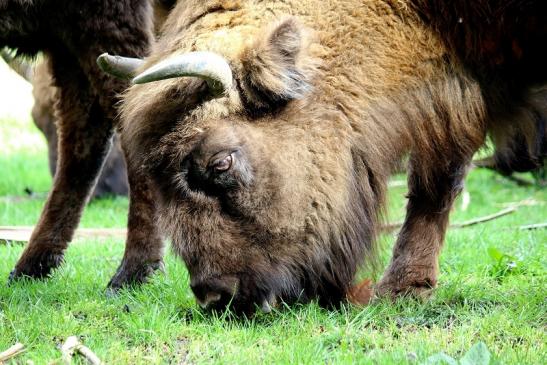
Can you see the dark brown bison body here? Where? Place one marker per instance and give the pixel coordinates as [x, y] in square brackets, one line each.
[504, 57]
[72, 34]
[113, 177]
[521, 153]
[270, 164]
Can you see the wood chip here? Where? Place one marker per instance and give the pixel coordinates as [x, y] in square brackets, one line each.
[12, 352]
[72, 346]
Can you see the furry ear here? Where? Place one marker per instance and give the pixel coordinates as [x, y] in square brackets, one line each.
[276, 68]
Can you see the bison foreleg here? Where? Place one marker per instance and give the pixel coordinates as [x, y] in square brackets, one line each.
[84, 140]
[414, 264]
[144, 247]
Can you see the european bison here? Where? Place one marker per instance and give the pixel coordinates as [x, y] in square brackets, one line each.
[271, 138]
[72, 34]
[520, 153]
[113, 176]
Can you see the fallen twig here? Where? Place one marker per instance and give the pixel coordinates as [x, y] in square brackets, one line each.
[73, 345]
[397, 184]
[484, 219]
[533, 226]
[68, 348]
[524, 203]
[23, 233]
[389, 227]
[12, 352]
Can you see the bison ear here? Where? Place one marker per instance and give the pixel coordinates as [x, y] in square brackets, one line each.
[276, 68]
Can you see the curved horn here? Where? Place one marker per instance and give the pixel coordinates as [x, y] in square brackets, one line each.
[121, 67]
[211, 67]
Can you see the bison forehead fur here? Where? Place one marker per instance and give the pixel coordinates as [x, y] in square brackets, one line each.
[328, 96]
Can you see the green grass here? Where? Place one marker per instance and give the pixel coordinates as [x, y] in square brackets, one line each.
[478, 299]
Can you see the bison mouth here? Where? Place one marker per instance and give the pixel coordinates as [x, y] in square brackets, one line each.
[241, 293]
[248, 293]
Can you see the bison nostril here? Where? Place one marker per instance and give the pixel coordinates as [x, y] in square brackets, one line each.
[215, 292]
[210, 298]
[268, 302]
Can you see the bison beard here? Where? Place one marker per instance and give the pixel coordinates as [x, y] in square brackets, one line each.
[271, 186]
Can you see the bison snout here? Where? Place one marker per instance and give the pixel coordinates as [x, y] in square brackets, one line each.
[216, 292]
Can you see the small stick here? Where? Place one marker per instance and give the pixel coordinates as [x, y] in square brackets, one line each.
[12, 352]
[397, 184]
[486, 218]
[393, 226]
[533, 226]
[89, 355]
[68, 349]
[23, 233]
[523, 203]
[390, 227]
[72, 345]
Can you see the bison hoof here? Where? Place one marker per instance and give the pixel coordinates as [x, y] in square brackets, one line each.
[129, 275]
[420, 289]
[38, 266]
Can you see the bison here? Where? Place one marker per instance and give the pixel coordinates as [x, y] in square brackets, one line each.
[269, 130]
[519, 153]
[71, 35]
[113, 176]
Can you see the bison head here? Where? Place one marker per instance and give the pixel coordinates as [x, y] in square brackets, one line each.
[260, 185]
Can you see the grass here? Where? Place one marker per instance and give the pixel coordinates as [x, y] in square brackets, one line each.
[492, 289]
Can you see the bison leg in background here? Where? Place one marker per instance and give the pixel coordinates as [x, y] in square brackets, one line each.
[144, 247]
[113, 177]
[414, 264]
[448, 127]
[85, 132]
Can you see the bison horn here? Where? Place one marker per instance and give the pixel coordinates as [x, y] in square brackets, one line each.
[211, 67]
[121, 67]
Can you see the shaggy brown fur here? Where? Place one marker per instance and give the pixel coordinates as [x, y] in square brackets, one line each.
[310, 132]
[113, 176]
[71, 35]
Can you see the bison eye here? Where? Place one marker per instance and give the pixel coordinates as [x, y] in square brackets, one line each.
[223, 164]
